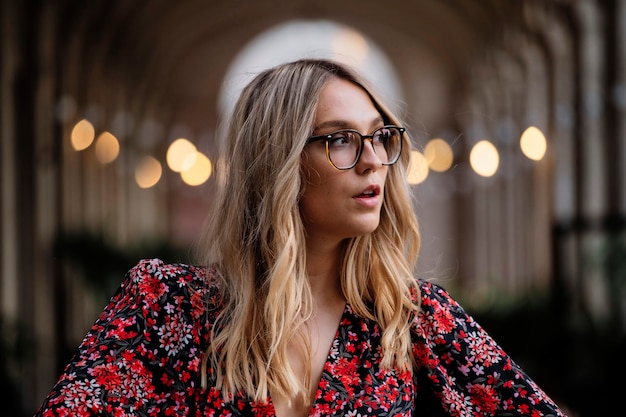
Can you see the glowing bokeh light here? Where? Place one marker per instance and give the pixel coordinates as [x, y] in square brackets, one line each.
[418, 168]
[148, 172]
[181, 155]
[107, 148]
[533, 143]
[83, 134]
[484, 158]
[199, 172]
[439, 155]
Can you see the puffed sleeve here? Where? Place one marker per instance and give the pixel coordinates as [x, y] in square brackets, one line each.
[144, 351]
[462, 371]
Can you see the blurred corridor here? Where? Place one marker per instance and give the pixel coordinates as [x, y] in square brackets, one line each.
[516, 109]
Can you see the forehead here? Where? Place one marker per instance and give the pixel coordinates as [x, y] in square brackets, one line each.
[339, 92]
[342, 102]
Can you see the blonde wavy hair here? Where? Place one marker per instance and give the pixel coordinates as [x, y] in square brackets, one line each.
[255, 238]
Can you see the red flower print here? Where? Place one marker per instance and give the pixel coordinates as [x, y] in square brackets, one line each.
[484, 397]
[143, 356]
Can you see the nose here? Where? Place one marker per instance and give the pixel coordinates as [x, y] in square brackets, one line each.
[369, 158]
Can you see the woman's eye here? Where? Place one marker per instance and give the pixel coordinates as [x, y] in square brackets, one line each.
[382, 136]
[340, 139]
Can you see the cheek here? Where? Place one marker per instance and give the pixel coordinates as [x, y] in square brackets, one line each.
[314, 187]
[320, 183]
[314, 171]
[315, 195]
[309, 205]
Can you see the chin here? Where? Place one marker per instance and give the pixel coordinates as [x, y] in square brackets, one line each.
[367, 229]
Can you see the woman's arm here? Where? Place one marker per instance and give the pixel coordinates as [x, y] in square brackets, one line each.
[461, 367]
[142, 352]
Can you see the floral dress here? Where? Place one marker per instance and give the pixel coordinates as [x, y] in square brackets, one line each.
[142, 357]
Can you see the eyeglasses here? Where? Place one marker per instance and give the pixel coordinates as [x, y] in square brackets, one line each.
[344, 147]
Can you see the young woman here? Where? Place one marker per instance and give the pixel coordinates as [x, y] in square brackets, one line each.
[307, 304]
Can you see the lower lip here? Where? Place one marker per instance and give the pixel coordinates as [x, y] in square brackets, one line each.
[369, 202]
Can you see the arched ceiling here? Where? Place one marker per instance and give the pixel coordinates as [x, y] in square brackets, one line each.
[174, 55]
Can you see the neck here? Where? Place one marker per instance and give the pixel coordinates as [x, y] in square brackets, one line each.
[323, 269]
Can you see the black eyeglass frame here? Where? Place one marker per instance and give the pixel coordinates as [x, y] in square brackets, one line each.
[328, 136]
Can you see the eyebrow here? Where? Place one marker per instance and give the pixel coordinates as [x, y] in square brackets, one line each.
[343, 124]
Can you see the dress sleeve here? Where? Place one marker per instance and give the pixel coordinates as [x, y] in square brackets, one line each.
[142, 353]
[462, 371]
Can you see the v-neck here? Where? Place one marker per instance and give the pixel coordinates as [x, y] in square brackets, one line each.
[329, 358]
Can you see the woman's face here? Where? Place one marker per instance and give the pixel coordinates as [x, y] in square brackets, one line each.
[340, 204]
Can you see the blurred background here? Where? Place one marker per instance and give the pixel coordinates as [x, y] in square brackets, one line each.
[110, 120]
